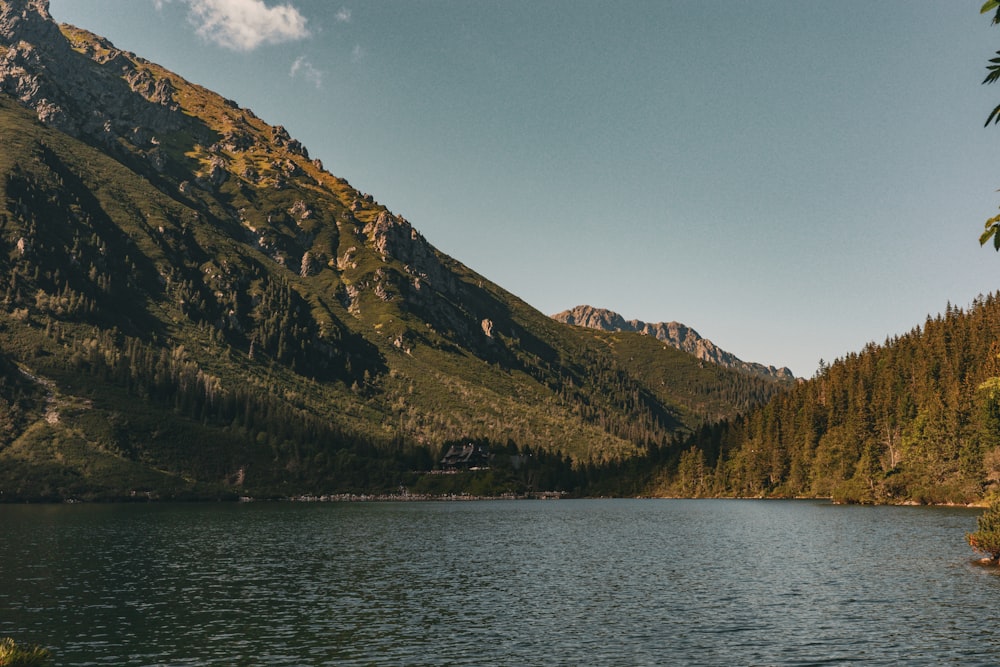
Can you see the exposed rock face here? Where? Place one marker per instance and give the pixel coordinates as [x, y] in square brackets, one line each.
[100, 94]
[393, 236]
[674, 334]
[29, 19]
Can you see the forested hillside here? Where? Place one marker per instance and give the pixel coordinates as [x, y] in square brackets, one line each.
[916, 418]
[193, 306]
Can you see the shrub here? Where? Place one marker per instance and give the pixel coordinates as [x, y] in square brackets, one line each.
[12, 655]
[987, 538]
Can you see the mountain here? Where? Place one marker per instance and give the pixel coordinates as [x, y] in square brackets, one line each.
[674, 334]
[193, 306]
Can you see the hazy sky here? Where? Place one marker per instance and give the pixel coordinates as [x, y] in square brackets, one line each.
[791, 179]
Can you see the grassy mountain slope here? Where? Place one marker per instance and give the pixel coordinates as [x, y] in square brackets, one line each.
[193, 306]
[674, 334]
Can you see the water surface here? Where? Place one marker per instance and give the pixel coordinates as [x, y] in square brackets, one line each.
[609, 582]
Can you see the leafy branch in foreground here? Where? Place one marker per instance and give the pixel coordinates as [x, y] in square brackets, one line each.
[992, 227]
[992, 230]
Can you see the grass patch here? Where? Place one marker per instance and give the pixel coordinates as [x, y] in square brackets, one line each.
[13, 655]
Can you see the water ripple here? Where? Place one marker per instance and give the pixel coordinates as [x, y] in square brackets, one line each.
[506, 583]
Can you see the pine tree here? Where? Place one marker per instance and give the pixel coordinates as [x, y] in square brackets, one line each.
[987, 538]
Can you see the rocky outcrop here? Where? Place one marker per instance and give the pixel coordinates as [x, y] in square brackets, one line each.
[673, 334]
[394, 237]
[28, 19]
[100, 93]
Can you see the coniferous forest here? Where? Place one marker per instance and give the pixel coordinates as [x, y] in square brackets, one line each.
[915, 419]
[193, 307]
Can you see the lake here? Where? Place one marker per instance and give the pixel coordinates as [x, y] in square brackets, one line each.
[563, 582]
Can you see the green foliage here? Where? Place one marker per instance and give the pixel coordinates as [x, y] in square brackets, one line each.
[992, 230]
[272, 331]
[12, 655]
[511, 470]
[707, 390]
[991, 6]
[986, 538]
[993, 224]
[915, 419]
[692, 474]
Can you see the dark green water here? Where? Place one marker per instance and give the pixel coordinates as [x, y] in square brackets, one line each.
[616, 582]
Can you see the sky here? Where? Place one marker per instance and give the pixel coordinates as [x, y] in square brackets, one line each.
[791, 179]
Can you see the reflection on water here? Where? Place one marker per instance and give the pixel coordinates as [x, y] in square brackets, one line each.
[619, 582]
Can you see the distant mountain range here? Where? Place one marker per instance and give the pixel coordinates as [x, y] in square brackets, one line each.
[193, 305]
[674, 334]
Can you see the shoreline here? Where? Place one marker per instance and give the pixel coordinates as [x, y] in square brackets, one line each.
[153, 498]
[411, 497]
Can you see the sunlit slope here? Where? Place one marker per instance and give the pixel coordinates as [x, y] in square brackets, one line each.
[214, 308]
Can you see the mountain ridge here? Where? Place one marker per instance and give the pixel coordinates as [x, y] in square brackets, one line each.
[220, 314]
[675, 334]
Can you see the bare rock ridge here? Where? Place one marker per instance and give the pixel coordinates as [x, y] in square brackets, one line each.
[674, 334]
[29, 19]
[101, 95]
[81, 84]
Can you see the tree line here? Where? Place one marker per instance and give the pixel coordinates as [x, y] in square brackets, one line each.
[914, 419]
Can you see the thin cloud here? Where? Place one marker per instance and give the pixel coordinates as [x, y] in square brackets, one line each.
[343, 16]
[244, 25]
[305, 69]
[358, 54]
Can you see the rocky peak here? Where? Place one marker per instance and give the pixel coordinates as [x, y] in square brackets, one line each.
[24, 6]
[99, 92]
[394, 237]
[27, 20]
[594, 318]
[673, 334]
